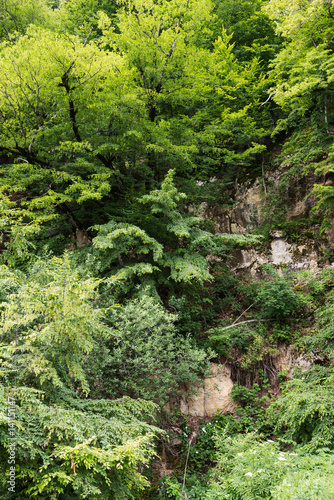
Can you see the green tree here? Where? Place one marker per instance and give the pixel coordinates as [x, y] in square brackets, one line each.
[198, 115]
[163, 247]
[159, 41]
[83, 18]
[253, 32]
[77, 448]
[303, 69]
[48, 318]
[64, 443]
[56, 128]
[304, 415]
[83, 120]
[145, 358]
[303, 77]
[17, 15]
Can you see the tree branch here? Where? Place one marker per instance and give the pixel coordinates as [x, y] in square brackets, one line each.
[74, 222]
[29, 156]
[243, 322]
[72, 111]
[87, 37]
[243, 313]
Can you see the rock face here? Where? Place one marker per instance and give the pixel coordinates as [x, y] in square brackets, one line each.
[287, 360]
[241, 218]
[281, 251]
[245, 214]
[294, 257]
[212, 394]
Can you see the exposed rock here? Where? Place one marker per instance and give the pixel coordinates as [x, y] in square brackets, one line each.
[305, 257]
[293, 257]
[277, 233]
[167, 462]
[81, 239]
[287, 360]
[245, 214]
[249, 260]
[243, 217]
[212, 394]
[301, 208]
[281, 251]
[219, 215]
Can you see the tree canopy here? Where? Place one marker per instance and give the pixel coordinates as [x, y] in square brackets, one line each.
[118, 119]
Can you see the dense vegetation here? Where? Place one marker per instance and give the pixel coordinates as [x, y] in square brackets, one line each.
[117, 120]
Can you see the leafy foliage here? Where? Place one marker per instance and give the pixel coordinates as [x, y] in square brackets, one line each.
[17, 15]
[201, 453]
[278, 298]
[145, 357]
[304, 411]
[76, 447]
[47, 322]
[167, 247]
[64, 442]
[248, 469]
[109, 113]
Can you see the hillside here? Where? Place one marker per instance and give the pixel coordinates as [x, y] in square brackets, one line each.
[167, 249]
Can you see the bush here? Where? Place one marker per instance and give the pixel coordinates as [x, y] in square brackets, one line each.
[277, 298]
[304, 413]
[201, 454]
[251, 415]
[282, 332]
[145, 358]
[248, 469]
[222, 341]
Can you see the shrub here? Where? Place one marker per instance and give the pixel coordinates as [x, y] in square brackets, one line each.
[248, 469]
[145, 357]
[304, 413]
[202, 452]
[277, 298]
[222, 341]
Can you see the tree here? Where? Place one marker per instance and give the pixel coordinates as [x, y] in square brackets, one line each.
[48, 318]
[159, 41]
[83, 18]
[191, 88]
[55, 126]
[92, 118]
[303, 69]
[157, 246]
[303, 76]
[304, 414]
[252, 30]
[48, 80]
[79, 448]
[17, 15]
[64, 443]
[146, 357]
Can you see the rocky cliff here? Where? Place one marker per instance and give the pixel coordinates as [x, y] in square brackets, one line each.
[305, 249]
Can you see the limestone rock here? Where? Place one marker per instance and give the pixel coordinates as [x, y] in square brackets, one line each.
[294, 257]
[287, 360]
[245, 214]
[281, 251]
[212, 394]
